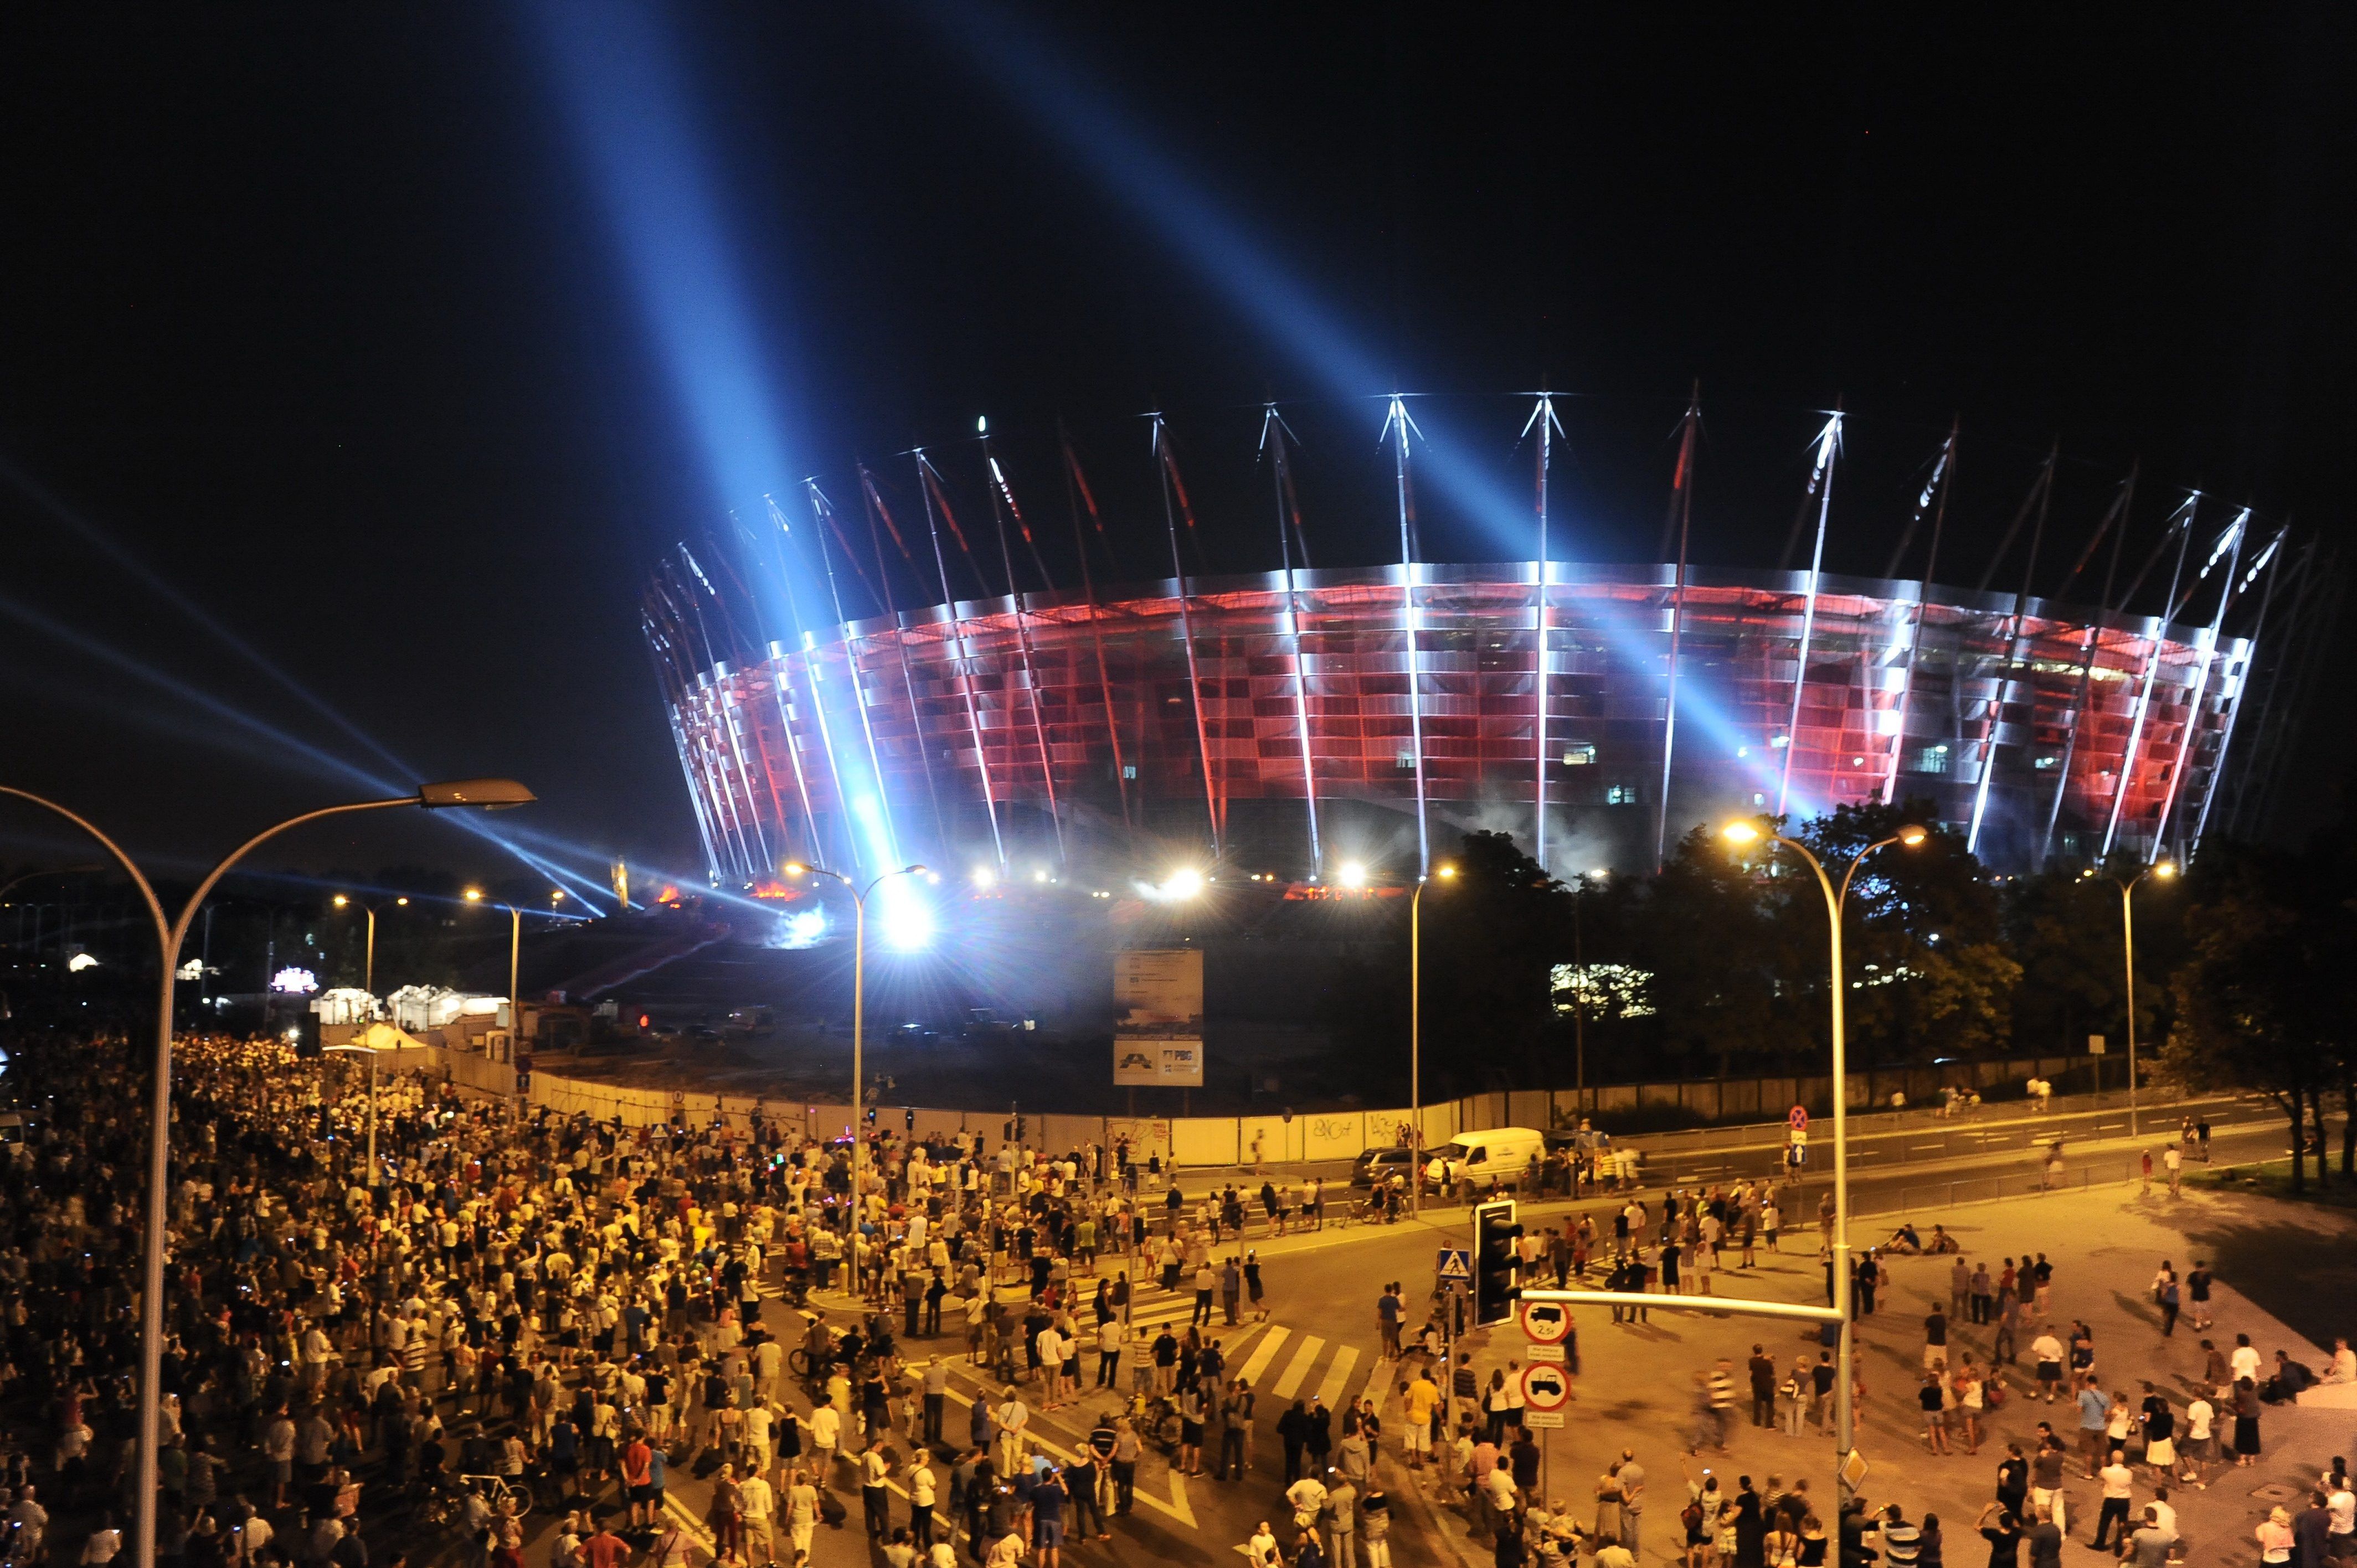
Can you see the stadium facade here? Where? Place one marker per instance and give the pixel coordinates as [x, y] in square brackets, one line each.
[1282, 722]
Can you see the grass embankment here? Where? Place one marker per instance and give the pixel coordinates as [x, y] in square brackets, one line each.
[2272, 1178]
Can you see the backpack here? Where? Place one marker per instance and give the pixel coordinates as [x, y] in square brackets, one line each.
[1690, 1517]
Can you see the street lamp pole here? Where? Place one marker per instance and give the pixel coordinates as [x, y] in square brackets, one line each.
[1416, 1036]
[2164, 870]
[368, 969]
[859, 896]
[1844, 1416]
[488, 792]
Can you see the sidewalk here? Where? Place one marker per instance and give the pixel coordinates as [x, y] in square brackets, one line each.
[2011, 1124]
[1637, 1386]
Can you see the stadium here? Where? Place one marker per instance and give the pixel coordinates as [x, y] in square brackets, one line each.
[1287, 722]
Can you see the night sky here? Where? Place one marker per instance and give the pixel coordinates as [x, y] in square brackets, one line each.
[321, 332]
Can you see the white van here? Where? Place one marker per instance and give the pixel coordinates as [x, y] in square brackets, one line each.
[1504, 1153]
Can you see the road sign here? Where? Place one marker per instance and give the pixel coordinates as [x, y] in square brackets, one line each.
[2095, 1045]
[1544, 1352]
[1546, 1321]
[1538, 1418]
[1546, 1388]
[1798, 1117]
[1456, 1263]
[1853, 1470]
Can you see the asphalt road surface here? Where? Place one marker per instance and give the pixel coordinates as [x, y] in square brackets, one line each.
[1320, 1338]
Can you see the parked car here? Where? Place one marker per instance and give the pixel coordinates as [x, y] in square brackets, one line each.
[1374, 1166]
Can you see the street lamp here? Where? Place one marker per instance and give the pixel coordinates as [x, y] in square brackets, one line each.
[367, 981]
[515, 960]
[370, 1052]
[1745, 832]
[491, 794]
[1580, 992]
[1446, 872]
[796, 869]
[2165, 870]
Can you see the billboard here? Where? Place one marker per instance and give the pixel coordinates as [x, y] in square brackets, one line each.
[1158, 1028]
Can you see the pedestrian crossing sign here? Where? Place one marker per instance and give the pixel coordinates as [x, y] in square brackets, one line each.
[1456, 1263]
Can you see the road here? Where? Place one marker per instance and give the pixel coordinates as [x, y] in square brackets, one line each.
[1320, 1339]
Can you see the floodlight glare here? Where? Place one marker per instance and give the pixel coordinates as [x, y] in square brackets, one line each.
[1185, 883]
[1353, 875]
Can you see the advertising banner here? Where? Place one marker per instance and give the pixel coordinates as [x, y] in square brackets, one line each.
[1158, 1031]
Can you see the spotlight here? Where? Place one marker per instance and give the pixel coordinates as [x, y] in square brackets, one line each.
[984, 877]
[1184, 882]
[1353, 875]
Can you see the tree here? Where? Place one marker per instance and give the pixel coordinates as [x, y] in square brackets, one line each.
[1723, 963]
[2262, 998]
[1491, 944]
[1924, 947]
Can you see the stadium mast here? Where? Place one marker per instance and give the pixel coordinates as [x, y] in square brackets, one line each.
[2266, 562]
[1680, 515]
[823, 515]
[927, 486]
[2232, 547]
[2157, 634]
[875, 509]
[2043, 494]
[1076, 490]
[1542, 419]
[1934, 499]
[1167, 465]
[1396, 418]
[1821, 484]
[2116, 521]
[1000, 493]
[1274, 433]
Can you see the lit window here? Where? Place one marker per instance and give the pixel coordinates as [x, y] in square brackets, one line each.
[1930, 760]
[1620, 794]
[1129, 770]
[2045, 762]
[1406, 762]
[1759, 797]
[1578, 754]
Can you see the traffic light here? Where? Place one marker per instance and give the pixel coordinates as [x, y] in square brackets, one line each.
[1497, 1262]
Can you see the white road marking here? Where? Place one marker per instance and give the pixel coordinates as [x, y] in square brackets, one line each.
[1251, 1369]
[1338, 1377]
[1298, 1369]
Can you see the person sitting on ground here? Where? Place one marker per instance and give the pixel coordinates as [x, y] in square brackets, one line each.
[2343, 1369]
[2291, 1377]
[1905, 1242]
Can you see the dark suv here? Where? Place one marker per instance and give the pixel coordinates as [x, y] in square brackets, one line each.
[1374, 1166]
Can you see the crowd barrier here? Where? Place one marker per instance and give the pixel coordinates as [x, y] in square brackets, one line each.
[1277, 1138]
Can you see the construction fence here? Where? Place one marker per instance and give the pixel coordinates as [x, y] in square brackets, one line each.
[1277, 1137]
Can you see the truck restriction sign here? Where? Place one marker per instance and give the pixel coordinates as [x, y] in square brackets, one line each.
[1546, 1321]
[1546, 1388]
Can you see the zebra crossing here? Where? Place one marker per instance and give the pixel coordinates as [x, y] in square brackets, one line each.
[1283, 1364]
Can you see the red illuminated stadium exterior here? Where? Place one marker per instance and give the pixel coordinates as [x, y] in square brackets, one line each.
[1063, 723]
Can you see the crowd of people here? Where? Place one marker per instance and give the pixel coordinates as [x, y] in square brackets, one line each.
[515, 1312]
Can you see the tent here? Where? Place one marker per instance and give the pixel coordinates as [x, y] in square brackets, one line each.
[382, 1037]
